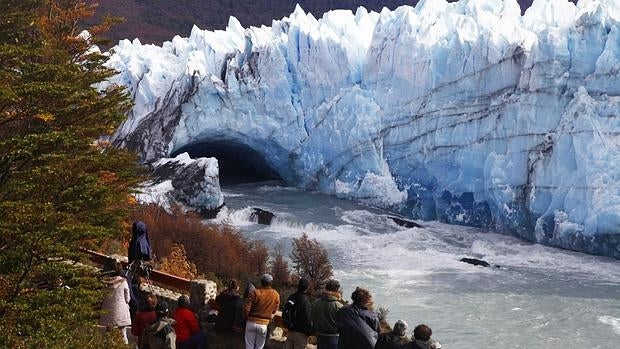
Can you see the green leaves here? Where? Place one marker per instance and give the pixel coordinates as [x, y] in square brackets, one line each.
[61, 187]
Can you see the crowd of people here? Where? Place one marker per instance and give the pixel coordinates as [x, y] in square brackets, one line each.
[242, 319]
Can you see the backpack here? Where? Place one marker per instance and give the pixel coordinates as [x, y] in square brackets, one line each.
[289, 313]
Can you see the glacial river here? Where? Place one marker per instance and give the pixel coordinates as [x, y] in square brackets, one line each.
[540, 297]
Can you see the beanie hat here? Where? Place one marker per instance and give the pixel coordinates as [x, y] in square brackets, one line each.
[400, 328]
[161, 309]
[266, 279]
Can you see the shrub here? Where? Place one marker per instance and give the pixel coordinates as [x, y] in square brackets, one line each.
[217, 249]
[310, 260]
[279, 268]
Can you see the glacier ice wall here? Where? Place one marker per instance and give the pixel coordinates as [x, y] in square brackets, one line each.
[465, 112]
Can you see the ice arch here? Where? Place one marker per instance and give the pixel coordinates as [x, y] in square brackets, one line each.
[238, 162]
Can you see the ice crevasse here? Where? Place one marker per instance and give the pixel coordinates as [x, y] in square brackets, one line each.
[465, 112]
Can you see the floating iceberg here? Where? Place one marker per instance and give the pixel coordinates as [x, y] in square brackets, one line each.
[464, 112]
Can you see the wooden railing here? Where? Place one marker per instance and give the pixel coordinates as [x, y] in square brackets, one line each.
[164, 280]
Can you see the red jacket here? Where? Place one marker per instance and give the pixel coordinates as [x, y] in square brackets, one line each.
[143, 319]
[186, 324]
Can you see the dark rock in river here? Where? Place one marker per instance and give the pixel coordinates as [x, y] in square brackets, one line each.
[405, 223]
[475, 261]
[261, 216]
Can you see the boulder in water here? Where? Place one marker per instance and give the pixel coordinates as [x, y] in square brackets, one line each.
[261, 216]
[475, 261]
[404, 222]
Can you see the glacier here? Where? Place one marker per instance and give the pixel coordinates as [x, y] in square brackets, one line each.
[467, 112]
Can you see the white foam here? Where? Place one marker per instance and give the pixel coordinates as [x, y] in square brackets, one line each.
[612, 321]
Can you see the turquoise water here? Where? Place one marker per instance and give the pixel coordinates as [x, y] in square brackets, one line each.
[540, 296]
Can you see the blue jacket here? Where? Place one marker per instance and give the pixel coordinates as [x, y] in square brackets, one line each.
[139, 245]
[358, 327]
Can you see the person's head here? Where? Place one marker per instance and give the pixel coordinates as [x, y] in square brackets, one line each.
[362, 297]
[422, 332]
[118, 268]
[249, 288]
[303, 285]
[400, 328]
[232, 284]
[161, 309]
[332, 285]
[138, 228]
[266, 280]
[151, 301]
[183, 301]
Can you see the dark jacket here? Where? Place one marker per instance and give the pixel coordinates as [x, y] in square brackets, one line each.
[390, 341]
[358, 327]
[303, 320]
[418, 344]
[324, 314]
[229, 302]
[139, 245]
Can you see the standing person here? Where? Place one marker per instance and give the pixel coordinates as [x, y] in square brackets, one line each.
[421, 338]
[240, 319]
[160, 333]
[259, 309]
[395, 339]
[139, 251]
[229, 302]
[115, 305]
[324, 312]
[186, 326]
[139, 245]
[297, 317]
[358, 324]
[143, 318]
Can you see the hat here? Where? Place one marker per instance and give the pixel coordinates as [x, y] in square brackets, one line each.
[161, 309]
[400, 328]
[266, 279]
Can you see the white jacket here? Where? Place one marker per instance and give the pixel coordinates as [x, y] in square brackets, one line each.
[115, 307]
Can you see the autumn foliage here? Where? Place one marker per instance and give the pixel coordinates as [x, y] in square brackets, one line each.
[278, 267]
[310, 260]
[176, 263]
[214, 249]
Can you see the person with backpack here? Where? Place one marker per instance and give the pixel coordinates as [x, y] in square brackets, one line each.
[323, 315]
[160, 333]
[297, 317]
[358, 324]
